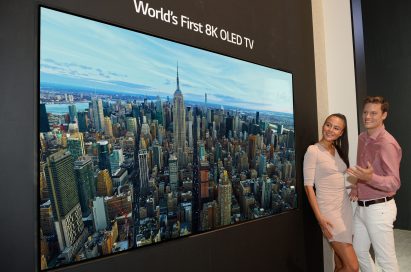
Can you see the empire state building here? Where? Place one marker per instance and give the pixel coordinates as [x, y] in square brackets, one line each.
[179, 120]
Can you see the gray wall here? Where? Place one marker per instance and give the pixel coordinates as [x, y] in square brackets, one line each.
[282, 30]
[383, 68]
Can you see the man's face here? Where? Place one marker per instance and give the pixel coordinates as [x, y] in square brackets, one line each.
[372, 116]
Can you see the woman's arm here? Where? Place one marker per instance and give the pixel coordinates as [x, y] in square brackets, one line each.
[322, 221]
[309, 169]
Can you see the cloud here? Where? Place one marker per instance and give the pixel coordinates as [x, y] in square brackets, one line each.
[130, 85]
[167, 82]
[117, 75]
[73, 69]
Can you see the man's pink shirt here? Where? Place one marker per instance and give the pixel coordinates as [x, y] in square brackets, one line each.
[384, 154]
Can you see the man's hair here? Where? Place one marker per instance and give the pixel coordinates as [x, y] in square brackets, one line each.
[377, 100]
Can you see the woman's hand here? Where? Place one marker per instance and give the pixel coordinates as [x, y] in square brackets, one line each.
[326, 227]
[353, 193]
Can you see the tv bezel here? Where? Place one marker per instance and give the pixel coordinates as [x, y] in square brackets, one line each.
[191, 235]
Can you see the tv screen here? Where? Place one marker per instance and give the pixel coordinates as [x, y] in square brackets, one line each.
[145, 140]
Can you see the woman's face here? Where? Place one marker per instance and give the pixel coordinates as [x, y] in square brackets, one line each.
[333, 128]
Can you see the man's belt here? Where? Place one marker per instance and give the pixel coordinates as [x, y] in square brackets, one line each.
[366, 203]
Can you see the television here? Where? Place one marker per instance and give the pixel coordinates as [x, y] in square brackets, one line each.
[144, 140]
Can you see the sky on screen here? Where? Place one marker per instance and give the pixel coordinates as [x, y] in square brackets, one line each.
[79, 52]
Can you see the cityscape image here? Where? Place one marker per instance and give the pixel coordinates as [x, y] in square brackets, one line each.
[144, 140]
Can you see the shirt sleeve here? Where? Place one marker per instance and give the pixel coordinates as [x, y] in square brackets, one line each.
[389, 179]
[310, 162]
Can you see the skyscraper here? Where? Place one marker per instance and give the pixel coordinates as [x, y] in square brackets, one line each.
[205, 104]
[252, 150]
[158, 156]
[98, 116]
[154, 129]
[104, 183]
[99, 214]
[159, 111]
[280, 129]
[75, 144]
[287, 170]
[44, 120]
[262, 165]
[229, 125]
[190, 133]
[209, 215]
[224, 199]
[83, 170]
[116, 159]
[144, 171]
[236, 125]
[82, 121]
[202, 155]
[197, 126]
[132, 125]
[203, 127]
[218, 152]
[135, 111]
[145, 128]
[196, 212]
[103, 156]
[173, 166]
[65, 201]
[290, 139]
[204, 180]
[266, 193]
[44, 191]
[179, 119]
[46, 219]
[73, 113]
[108, 128]
[118, 205]
[73, 128]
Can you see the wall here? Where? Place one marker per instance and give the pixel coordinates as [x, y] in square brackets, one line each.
[282, 30]
[335, 75]
[387, 43]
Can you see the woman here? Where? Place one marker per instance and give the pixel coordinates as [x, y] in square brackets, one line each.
[324, 165]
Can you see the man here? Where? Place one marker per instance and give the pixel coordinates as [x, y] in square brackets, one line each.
[378, 179]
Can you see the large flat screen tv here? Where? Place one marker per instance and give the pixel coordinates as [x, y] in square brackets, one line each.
[145, 140]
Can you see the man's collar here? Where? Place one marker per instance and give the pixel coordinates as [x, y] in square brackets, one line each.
[376, 133]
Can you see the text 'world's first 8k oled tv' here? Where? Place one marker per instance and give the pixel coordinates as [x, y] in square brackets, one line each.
[144, 140]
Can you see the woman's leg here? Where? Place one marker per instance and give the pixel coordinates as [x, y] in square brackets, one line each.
[337, 262]
[347, 256]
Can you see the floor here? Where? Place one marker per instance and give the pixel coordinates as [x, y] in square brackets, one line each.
[402, 246]
[403, 249]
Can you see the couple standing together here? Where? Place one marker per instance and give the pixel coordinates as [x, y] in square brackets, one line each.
[378, 179]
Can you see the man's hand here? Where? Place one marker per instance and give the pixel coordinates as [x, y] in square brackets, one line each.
[364, 174]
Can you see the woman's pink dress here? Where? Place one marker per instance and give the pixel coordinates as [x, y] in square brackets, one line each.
[326, 173]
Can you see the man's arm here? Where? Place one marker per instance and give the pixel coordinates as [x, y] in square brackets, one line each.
[389, 180]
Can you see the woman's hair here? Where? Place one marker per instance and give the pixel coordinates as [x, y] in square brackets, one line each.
[341, 144]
